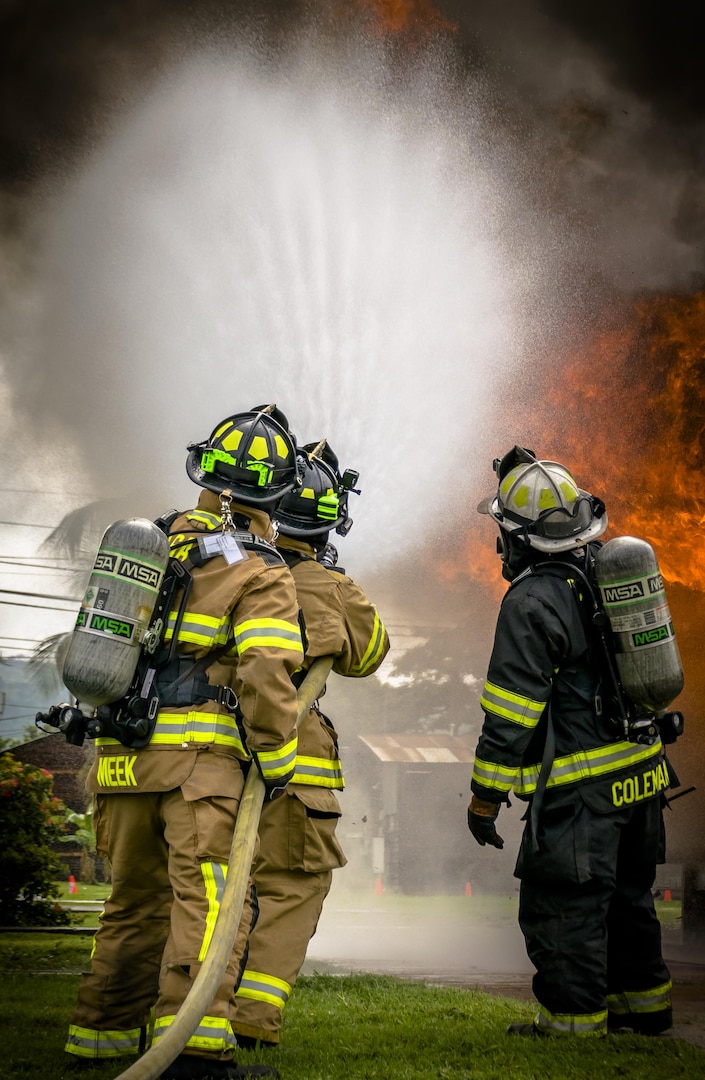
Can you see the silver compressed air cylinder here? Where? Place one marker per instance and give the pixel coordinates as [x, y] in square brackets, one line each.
[633, 596]
[116, 611]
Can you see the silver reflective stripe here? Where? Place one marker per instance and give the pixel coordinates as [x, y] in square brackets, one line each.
[572, 1023]
[329, 771]
[641, 1001]
[261, 987]
[277, 633]
[513, 707]
[88, 1042]
[213, 1034]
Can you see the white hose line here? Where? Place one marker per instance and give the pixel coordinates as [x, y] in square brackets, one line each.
[161, 1054]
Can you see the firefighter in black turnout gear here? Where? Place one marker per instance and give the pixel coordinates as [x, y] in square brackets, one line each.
[593, 827]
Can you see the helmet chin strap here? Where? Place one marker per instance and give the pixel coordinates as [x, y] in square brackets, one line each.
[515, 552]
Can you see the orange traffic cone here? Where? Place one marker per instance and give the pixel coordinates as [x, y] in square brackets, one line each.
[73, 887]
[378, 887]
[468, 888]
[667, 894]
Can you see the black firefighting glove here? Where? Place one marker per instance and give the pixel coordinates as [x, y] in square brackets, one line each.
[273, 789]
[482, 815]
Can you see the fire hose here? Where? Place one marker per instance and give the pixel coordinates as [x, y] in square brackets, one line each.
[161, 1054]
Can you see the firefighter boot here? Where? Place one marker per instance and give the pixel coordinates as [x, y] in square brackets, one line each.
[190, 1067]
[524, 1029]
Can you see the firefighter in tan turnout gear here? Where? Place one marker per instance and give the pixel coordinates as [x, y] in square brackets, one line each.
[298, 846]
[165, 814]
[553, 734]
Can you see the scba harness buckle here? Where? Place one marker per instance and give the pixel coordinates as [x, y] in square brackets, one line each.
[132, 729]
[647, 730]
[228, 698]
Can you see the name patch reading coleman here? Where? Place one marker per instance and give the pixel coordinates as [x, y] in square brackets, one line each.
[636, 788]
[127, 568]
[102, 622]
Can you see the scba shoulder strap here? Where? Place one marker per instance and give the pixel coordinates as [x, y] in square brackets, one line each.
[162, 678]
[200, 547]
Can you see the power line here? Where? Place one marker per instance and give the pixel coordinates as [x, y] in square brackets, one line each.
[9, 637]
[19, 705]
[33, 560]
[58, 494]
[40, 596]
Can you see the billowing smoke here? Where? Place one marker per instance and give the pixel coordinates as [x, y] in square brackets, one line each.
[297, 231]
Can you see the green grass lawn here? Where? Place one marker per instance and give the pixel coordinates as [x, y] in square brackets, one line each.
[353, 1027]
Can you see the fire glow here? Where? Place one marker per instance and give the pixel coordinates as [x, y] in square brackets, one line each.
[410, 18]
[626, 414]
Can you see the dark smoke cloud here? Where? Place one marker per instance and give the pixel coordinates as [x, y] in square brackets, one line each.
[65, 68]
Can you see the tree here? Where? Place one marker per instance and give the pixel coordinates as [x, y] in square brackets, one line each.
[31, 818]
[85, 838]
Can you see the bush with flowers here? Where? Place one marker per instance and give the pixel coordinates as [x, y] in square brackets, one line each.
[31, 819]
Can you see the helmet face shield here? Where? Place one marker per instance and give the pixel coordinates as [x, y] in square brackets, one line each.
[562, 522]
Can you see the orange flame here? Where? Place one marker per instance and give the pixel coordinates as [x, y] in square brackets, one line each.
[410, 18]
[627, 416]
[631, 410]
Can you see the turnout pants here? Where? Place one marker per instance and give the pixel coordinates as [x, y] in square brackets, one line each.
[168, 853]
[293, 873]
[588, 917]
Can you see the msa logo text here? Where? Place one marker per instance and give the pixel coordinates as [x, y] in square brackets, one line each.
[135, 571]
[114, 627]
[120, 566]
[650, 637]
[106, 563]
[655, 584]
[631, 591]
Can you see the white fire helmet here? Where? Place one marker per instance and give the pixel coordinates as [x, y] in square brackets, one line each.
[540, 502]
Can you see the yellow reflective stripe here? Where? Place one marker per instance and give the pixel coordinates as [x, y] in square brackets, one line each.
[571, 1023]
[205, 630]
[276, 763]
[214, 875]
[89, 1043]
[180, 728]
[490, 774]
[273, 633]
[374, 648]
[258, 986]
[213, 1033]
[211, 521]
[515, 707]
[588, 765]
[641, 1001]
[322, 772]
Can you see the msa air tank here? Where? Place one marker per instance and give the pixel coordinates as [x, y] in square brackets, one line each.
[633, 597]
[115, 612]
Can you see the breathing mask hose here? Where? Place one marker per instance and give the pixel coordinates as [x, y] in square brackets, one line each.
[161, 1054]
